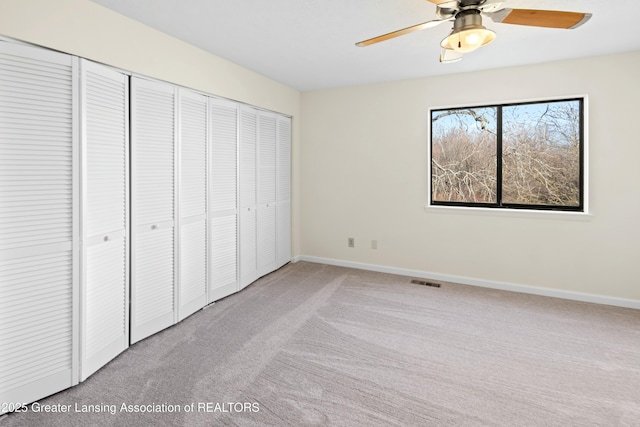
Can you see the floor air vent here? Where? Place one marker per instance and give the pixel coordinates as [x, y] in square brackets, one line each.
[425, 283]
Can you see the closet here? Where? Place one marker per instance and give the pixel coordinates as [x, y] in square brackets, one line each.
[126, 205]
[265, 193]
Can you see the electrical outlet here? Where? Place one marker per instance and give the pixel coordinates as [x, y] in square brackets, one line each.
[351, 242]
[374, 244]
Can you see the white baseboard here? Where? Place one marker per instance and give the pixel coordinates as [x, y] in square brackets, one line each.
[556, 293]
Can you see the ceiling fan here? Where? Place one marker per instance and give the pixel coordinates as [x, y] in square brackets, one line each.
[468, 33]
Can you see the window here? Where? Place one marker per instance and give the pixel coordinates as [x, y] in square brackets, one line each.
[520, 155]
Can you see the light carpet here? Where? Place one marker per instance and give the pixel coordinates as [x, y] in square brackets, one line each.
[318, 345]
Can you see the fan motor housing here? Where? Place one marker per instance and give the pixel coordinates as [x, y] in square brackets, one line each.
[469, 18]
[449, 9]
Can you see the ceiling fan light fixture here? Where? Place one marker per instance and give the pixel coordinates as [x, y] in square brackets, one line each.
[468, 40]
[468, 33]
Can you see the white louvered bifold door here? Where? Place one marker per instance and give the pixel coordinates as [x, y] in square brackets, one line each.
[266, 244]
[223, 200]
[152, 207]
[247, 137]
[104, 288]
[192, 141]
[283, 191]
[38, 223]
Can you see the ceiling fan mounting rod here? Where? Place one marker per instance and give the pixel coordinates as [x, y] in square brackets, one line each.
[468, 12]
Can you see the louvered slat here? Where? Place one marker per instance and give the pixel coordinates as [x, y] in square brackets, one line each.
[37, 229]
[105, 300]
[153, 290]
[248, 248]
[49, 170]
[266, 248]
[224, 148]
[193, 267]
[193, 154]
[34, 303]
[283, 227]
[153, 112]
[284, 159]
[267, 158]
[106, 158]
[224, 256]
[32, 280]
[247, 137]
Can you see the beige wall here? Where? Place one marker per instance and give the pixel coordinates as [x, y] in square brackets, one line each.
[89, 30]
[363, 174]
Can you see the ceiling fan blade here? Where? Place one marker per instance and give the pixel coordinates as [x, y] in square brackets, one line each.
[540, 18]
[402, 32]
[449, 55]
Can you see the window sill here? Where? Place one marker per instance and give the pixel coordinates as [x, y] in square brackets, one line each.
[510, 213]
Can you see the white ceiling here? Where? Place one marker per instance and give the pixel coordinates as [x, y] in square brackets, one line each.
[310, 44]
